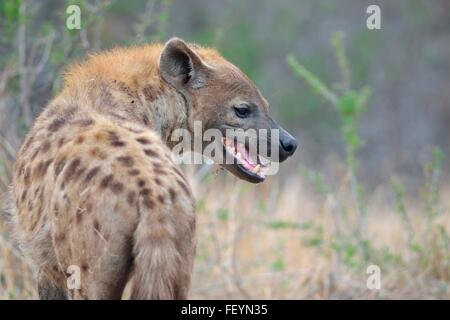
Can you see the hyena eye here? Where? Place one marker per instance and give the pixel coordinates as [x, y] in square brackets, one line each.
[242, 111]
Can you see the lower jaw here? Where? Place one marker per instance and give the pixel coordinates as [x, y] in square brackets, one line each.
[254, 177]
[244, 174]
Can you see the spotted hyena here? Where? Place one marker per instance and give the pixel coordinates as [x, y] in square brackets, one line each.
[94, 184]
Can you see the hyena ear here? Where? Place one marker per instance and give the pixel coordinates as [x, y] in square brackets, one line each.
[182, 67]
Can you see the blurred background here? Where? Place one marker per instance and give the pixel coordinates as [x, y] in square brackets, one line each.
[370, 108]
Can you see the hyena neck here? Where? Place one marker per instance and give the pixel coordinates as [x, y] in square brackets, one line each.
[125, 85]
[159, 108]
[163, 109]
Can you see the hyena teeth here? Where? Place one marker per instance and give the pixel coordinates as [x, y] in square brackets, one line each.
[263, 161]
[256, 169]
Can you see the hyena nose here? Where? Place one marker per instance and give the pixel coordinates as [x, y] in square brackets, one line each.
[288, 145]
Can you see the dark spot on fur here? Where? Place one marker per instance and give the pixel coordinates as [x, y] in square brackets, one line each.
[131, 197]
[61, 237]
[80, 172]
[141, 183]
[27, 177]
[24, 195]
[112, 135]
[43, 167]
[59, 166]
[117, 187]
[143, 140]
[61, 142]
[66, 198]
[114, 138]
[92, 173]
[158, 181]
[161, 199]
[147, 202]
[157, 165]
[151, 93]
[161, 218]
[184, 187]
[106, 181]
[126, 161]
[173, 195]
[84, 267]
[72, 169]
[145, 120]
[96, 225]
[145, 192]
[180, 174]
[133, 172]
[41, 193]
[84, 122]
[79, 215]
[98, 136]
[45, 254]
[150, 153]
[159, 171]
[118, 116]
[79, 140]
[36, 192]
[97, 153]
[117, 143]
[45, 146]
[56, 124]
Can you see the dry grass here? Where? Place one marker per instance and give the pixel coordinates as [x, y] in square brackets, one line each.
[282, 240]
[278, 241]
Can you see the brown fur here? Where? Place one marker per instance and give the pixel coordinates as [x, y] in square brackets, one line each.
[94, 185]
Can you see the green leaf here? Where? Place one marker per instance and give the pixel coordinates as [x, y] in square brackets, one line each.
[262, 206]
[313, 241]
[223, 214]
[337, 43]
[314, 82]
[280, 224]
[348, 104]
[278, 264]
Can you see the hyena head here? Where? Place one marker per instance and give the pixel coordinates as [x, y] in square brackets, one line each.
[220, 96]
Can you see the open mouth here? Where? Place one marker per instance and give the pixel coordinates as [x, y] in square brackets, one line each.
[253, 168]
